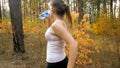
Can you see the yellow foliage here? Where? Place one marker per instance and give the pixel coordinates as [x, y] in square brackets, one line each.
[5, 27]
[85, 17]
[90, 61]
[87, 25]
[87, 36]
[27, 27]
[30, 28]
[74, 15]
[106, 25]
[83, 40]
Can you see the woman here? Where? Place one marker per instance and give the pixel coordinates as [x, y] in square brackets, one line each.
[57, 35]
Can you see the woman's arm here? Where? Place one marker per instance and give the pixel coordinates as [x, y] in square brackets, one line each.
[63, 33]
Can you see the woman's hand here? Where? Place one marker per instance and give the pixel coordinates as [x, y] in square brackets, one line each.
[69, 66]
[48, 21]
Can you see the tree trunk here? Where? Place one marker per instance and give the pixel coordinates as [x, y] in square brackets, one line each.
[80, 10]
[0, 13]
[119, 8]
[3, 10]
[17, 26]
[90, 14]
[114, 8]
[104, 7]
[24, 9]
[111, 7]
[74, 6]
[98, 7]
[68, 1]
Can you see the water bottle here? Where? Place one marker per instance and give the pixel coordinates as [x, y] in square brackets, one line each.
[44, 14]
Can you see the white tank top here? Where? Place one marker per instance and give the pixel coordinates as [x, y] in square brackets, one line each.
[55, 47]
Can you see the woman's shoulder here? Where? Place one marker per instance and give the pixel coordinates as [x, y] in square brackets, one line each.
[56, 25]
[59, 24]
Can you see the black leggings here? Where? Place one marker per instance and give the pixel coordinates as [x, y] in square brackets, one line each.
[61, 64]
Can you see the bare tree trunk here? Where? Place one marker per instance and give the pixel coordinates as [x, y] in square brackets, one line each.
[17, 26]
[115, 6]
[104, 7]
[90, 14]
[24, 9]
[3, 10]
[80, 10]
[111, 7]
[119, 8]
[74, 5]
[68, 1]
[98, 7]
[30, 7]
[0, 13]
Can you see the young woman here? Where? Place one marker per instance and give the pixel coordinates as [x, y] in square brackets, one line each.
[57, 35]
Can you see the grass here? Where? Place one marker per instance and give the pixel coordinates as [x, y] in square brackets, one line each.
[33, 58]
[107, 56]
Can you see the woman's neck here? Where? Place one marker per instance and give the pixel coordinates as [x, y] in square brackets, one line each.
[56, 17]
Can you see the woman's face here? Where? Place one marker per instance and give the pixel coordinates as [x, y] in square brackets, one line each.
[50, 7]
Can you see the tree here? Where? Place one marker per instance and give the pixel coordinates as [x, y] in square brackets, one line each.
[104, 6]
[24, 8]
[17, 26]
[119, 8]
[111, 7]
[80, 9]
[0, 12]
[68, 1]
[98, 7]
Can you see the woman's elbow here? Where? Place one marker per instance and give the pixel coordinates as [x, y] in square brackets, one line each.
[75, 45]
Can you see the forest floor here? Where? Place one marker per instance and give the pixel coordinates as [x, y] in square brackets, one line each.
[35, 53]
[33, 58]
[15, 63]
[9, 63]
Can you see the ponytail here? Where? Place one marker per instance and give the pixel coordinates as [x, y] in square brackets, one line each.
[68, 15]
